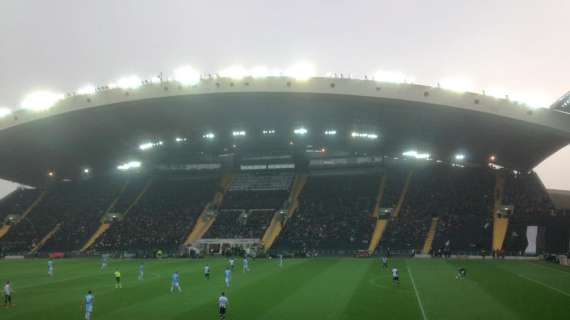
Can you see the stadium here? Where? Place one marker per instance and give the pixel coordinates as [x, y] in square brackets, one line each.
[325, 174]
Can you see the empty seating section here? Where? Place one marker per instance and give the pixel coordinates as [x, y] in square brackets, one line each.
[162, 217]
[334, 213]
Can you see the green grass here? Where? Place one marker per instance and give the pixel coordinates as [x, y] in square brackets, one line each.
[303, 289]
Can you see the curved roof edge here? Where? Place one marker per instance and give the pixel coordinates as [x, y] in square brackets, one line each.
[551, 118]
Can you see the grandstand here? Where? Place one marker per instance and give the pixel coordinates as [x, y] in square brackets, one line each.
[284, 166]
[328, 166]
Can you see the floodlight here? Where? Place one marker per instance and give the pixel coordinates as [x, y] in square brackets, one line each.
[187, 76]
[330, 132]
[150, 145]
[301, 71]
[51, 174]
[4, 112]
[268, 132]
[130, 82]
[460, 157]
[236, 72]
[41, 100]
[534, 101]
[179, 139]
[239, 133]
[129, 165]
[300, 131]
[260, 72]
[209, 135]
[393, 77]
[86, 90]
[498, 93]
[457, 84]
[416, 155]
[364, 135]
[86, 170]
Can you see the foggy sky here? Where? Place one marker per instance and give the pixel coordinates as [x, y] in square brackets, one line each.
[519, 45]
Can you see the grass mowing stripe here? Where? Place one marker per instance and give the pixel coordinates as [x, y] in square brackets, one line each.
[417, 294]
[545, 285]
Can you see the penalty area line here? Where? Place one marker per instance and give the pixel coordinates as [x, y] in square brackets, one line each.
[417, 294]
[544, 285]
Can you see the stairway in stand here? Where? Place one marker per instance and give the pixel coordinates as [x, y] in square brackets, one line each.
[279, 218]
[430, 235]
[207, 217]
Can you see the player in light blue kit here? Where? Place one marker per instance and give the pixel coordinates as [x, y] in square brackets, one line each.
[280, 260]
[87, 305]
[103, 262]
[175, 283]
[141, 271]
[245, 264]
[228, 277]
[50, 268]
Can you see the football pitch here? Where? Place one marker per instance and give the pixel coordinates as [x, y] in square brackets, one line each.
[322, 288]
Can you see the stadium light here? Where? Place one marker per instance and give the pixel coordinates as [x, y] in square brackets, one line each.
[300, 131]
[457, 84]
[4, 112]
[86, 90]
[416, 155]
[129, 165]
[209, 135]
[187, 76]
[150, 145]
[497, 93]
[364, 135]
[330, 132]
[86, 170]
[268, 132]
[236, 72]
[51, 174]
[301, 71]
[179, 139]
[41, 100]
[130, 82]
[260, 72]
[534, 101]
[492, 158]
[459, 157]
[392, 76]
[239, 133]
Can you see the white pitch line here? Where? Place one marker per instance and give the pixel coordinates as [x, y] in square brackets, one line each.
[545, 285]
[417, 294]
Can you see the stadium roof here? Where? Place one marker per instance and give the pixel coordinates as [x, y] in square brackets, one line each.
[101, 128]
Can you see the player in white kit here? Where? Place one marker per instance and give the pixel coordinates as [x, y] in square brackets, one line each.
[207, 272]
[232, 263]
[395, 276]
[281, 260]
[222, 306]
[245, 264]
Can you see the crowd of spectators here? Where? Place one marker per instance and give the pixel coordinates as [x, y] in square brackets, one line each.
[334, 214]
[162, 218]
